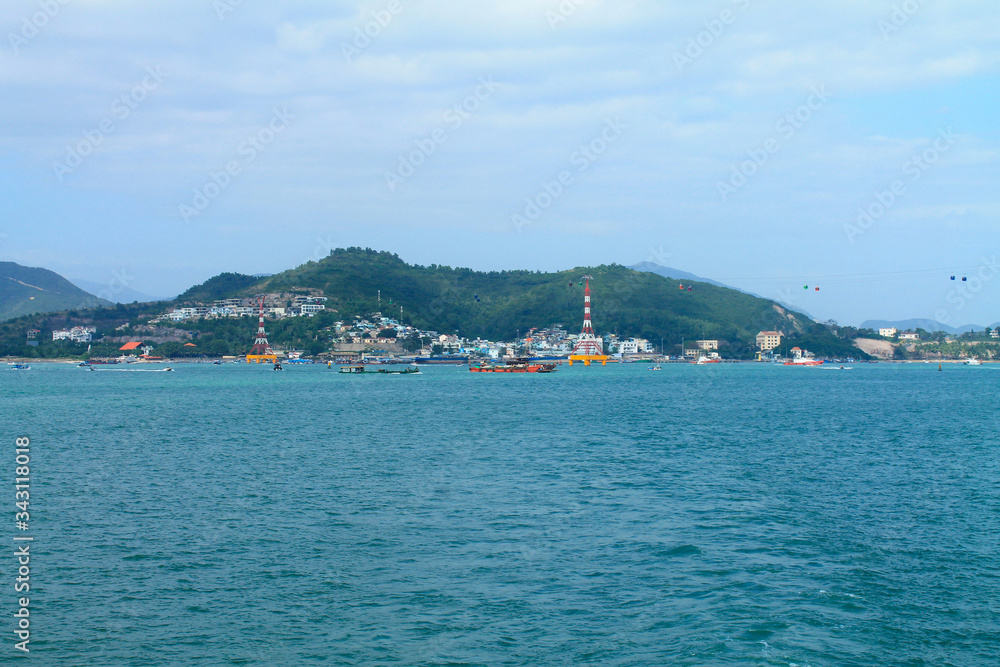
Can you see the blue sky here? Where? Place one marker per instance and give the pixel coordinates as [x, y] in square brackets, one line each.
[167, 142]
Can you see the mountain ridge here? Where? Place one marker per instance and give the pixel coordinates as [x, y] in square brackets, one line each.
[678, 274]
[27, 290]
[919, 323]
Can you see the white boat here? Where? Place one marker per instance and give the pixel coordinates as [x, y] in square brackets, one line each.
[656, 367]
[972, 361]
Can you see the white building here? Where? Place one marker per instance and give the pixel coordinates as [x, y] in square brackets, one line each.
[635, 346]
[909, 335]
[887, 332]
[76, 334]
[311, 309]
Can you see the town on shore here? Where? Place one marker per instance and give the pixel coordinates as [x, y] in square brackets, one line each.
[378, 338]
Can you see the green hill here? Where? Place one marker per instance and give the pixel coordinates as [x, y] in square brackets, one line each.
[218, 287]
[26, 290]
[489, 304]
[496, 304]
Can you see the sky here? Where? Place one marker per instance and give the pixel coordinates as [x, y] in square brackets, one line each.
[771, 146]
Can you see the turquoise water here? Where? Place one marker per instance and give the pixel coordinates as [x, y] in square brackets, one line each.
[722, 515]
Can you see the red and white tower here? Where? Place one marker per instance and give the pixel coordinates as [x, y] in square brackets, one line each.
[588, 343]
[261, 348]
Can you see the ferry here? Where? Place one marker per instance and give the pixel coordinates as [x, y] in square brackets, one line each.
[804, 361]
[705, 360]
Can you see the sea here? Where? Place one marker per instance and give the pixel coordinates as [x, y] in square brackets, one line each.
[728, 514]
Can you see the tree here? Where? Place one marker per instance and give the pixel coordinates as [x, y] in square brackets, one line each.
[411, 344]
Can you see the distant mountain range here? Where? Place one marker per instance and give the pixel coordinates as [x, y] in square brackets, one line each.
[118, 294]
[26, 290]
[926, 325]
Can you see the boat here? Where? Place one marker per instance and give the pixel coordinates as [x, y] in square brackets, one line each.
[656, 367]
[972, 361]
[405, 371]
[20, 367]
[706, 360]
[454, 359]
[521, 365]
[360, 368]
[804, 361]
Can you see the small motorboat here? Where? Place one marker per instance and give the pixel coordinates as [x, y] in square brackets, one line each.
[20, 367]
[656, 367]
[972, 361]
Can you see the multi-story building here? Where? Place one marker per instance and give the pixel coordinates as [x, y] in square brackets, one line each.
[768, 340]
[76, 334]
[708, 345]
[311, 309]
[887, 332]
[635, 346]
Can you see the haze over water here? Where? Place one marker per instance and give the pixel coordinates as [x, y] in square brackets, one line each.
[744, 514]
